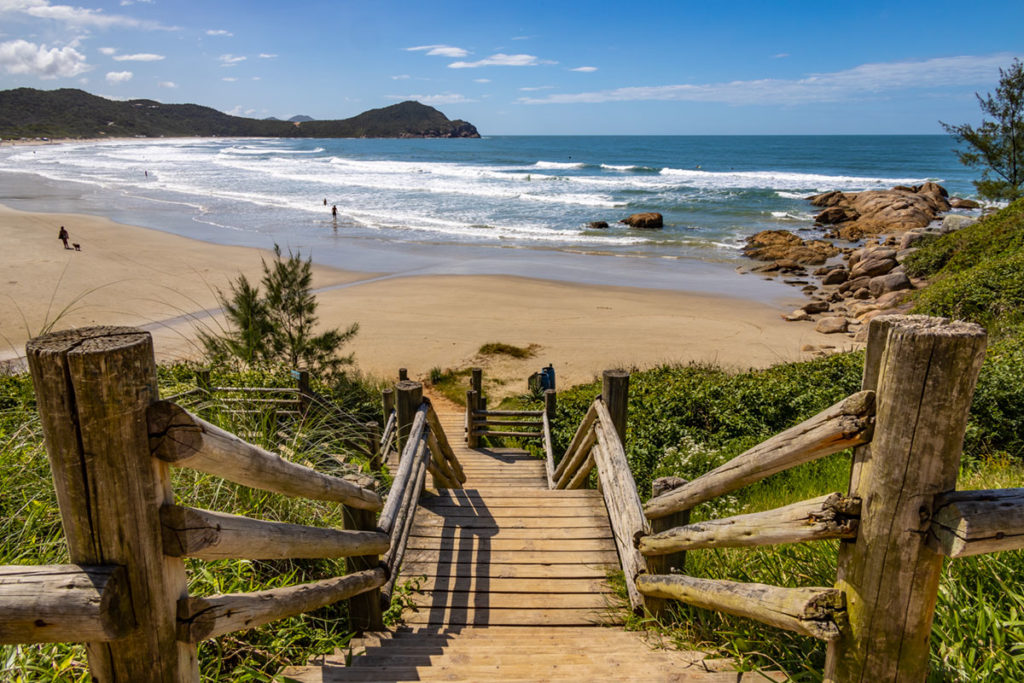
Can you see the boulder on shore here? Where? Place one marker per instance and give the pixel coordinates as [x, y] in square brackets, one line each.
[649, 220]
[597, 225]
[878, 211]
[776, 245]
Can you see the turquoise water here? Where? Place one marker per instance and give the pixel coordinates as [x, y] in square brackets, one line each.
[418, 198]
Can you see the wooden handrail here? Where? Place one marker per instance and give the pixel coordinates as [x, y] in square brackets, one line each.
[207, 535]
[810, 611]
[507, 413]
[202, 618]
[387, 439]
[847, 423]
[446, 449]
[420, 455]
[966, 523]
[60, 603]
[582, 434]
[549, 452]
[184, 440]
[830, 516]
[393, 505]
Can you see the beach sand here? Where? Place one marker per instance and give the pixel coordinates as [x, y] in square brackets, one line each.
[127, 275]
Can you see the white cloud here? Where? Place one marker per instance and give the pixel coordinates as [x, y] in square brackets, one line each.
[119, 76]
[520, 37]
[781, 55]
[585, 69]
[229, 79]
[401, 77]
[125, 3]
[481, 80]
[140, 57]
[167, 84]
[108, 50]
[257, 78]
[538, 87]
[439, 51]
[501, 59]
[444, 98]
[265, 55]
[837, 86]
[220, 32]
[76, 16]
[23, 57]
[230, 60]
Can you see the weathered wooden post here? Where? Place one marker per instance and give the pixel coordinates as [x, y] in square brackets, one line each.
[93, 388]
[365, 611]
[550, 404]
[615, 393]
[403, 375]
[302, 384]
[476, 382]
[373, 435]
[924, 372]
[410, 396]
[472, 405]
[388, 397]
[664, 564]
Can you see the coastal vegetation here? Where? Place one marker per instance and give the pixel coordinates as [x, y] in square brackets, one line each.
[72, 113]
[274, 327]
[997, 145]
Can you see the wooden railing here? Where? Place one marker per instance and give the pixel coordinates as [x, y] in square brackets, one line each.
[110, 443]
[524, 424]
[899, 519]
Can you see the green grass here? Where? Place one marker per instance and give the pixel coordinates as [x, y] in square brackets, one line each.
[30, 530]
[502, 349]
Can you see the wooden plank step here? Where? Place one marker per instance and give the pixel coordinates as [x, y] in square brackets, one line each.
[572, 533]
[594, 513]
[510, 544]
[460, 600]
[596, 557]
[490, 523]
[527, 585]
[498, 501]
[400, 675]
[554, 660]
[465, 570]
[479, 617]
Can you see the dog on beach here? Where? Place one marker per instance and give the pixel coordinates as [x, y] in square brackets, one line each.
[78, 247]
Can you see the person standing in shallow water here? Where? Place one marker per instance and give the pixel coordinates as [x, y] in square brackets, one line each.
[334, 210]
[63, 237]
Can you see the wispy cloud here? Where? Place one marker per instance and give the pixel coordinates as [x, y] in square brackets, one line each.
[140, 57]
[219, 32]
[585, 69]
[23, 57]
[167, 84]
[230, 60]
[119, 76]
[108, 50]
[443, 98]
[501, 59]
[481, 80]
[439, 50]
[77, 16]
[836, 86]
[126, 3]
[229, 79]
[267, 55]
[538, 87]
[401, 77]
[781, 55]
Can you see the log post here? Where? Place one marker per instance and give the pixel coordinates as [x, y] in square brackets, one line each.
[373, 445]
[472, 403]
[388, 398]
[615, 392]
[409, 398]
[302, 384]
[476, 382]
[550, 404]
[93, 387]
[403, 375]
[365, 611]
[925, 373]
[664, 564]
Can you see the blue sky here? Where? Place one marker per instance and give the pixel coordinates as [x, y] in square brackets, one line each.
[551, 67]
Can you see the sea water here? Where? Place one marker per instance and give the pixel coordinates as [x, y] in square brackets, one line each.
[480, 205]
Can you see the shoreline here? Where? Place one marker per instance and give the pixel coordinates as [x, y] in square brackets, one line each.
[146, 277]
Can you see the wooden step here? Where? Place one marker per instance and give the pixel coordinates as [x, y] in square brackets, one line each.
[453, 570]
[475, 543]
[481, 600]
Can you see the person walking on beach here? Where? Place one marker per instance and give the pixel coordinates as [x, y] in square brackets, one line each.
[334, 211]
[63, 237]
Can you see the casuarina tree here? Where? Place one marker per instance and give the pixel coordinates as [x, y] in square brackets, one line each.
[997, 145]
[277, 325]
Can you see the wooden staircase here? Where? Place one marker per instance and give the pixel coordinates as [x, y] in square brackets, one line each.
[511, 587]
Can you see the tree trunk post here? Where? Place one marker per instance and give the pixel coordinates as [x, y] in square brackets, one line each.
[373, 445]
[365, 611]
[550, 404]
[476, 382]
[472, 398]
[410, 396]
[93, 387]
[924, 371]
[388, 397]
[403, 375]
[302, 383]
[615, 392]
[664, 564]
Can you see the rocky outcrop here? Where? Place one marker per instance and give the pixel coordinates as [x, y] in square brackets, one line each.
[598, 225]
[649, 220]
[776, 245]
[872, 212]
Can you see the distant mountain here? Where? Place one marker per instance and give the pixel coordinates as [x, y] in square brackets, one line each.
[271, 118]
[301, 118]
[70, 113]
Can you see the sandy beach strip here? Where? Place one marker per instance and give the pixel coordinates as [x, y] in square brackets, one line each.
[126, 275]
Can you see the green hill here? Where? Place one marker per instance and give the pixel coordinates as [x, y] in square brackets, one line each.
[69, 113]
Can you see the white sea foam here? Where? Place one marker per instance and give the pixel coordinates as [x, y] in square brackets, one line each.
[559, 165]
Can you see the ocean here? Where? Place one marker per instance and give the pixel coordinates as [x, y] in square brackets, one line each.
[516, 205]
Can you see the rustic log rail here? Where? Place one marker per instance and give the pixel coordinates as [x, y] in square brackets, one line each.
[524, 424]
[110, 442]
